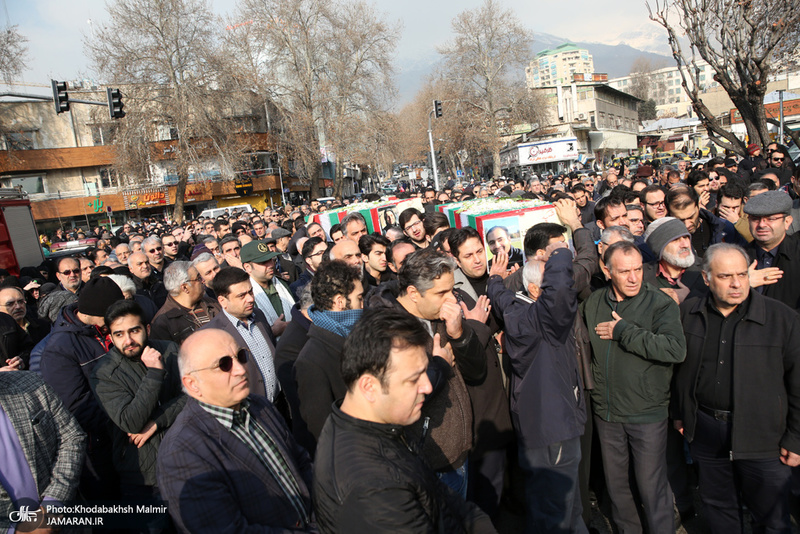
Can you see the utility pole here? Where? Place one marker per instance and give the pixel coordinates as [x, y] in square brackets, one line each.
[437, 110]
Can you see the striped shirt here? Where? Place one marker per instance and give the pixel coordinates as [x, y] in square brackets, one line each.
[259, 348]
[264, 447]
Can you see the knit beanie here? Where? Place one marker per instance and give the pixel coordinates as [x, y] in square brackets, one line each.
[662, 232]
[97, 295]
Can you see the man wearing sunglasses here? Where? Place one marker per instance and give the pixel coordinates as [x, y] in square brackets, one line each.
[229, 463]
[68, 272]
[138, 385]
[154, 248]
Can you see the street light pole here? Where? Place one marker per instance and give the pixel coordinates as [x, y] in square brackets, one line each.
[433, 155]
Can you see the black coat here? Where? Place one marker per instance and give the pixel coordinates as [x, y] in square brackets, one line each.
[787, 290]
[289, 346]
[368, 478]
[132, 394]
[319, 383]
[766, 377]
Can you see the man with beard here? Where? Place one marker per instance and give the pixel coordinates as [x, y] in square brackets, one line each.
[676, 271]
[497, 238]
[138, 385]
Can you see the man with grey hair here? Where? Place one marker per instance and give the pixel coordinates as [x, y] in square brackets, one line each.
[146, 282]
[547, 407]
[207, 267]
[154, 248]
[425, 290]
[122, 252]
[354, 226]
[737, 396]
[675, 271]
[636, 336]
[187, 308]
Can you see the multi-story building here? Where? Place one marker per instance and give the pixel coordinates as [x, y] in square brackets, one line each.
[582, 122]
[65, 163]
[557, 66]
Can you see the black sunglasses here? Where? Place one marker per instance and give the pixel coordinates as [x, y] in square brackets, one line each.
[225, 364]
[71, 271]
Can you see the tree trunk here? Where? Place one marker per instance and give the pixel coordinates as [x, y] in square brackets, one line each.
[338, 179]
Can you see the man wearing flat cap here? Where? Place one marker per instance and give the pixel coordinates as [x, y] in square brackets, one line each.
[776, 254]
[76, 344]
[675, 271]
[272, 293]
[284, 266]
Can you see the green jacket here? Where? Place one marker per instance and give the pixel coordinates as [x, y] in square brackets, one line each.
[132, 395]
[632, 372]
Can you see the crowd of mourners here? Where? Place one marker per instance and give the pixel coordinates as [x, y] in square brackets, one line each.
[261, 372]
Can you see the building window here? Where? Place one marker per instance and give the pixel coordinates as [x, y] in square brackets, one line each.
[108, 178]
[30, 184]
[19, 141]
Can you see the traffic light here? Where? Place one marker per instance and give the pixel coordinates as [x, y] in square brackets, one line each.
[60, 96]
[115, 104]
[437, 108]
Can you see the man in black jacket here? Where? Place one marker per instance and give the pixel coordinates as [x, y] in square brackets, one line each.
[337, 293]
[737, 396]
[776, 254]
[138, 386]
[368, 476]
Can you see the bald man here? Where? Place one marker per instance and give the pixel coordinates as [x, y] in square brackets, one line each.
[229, 450]
[347, 251]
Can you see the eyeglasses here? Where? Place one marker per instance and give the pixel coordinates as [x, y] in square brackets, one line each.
[713, 179]
[225, 364]
[159, 249]
[320, 253]
[173, 244]
[71, 271]
[198, 279]
[655, 204]
[413, 225]
[777, 159]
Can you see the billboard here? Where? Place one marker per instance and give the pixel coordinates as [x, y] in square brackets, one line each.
[565, 149]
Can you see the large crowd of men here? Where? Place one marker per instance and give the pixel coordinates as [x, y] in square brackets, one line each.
[259, 373]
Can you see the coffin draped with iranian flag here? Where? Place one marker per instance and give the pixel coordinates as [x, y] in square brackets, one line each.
[379, 214]
[515, 216]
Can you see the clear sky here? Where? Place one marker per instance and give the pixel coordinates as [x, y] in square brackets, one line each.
[55, 28]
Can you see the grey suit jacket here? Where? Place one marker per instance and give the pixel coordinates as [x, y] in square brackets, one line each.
[222, 322]
[51, 438]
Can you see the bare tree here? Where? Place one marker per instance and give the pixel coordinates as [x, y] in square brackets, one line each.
[490, 48]
[738, 39]
[13, 53]
[162, 53]
[326, 65]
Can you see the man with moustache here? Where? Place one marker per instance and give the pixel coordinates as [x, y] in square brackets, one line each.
[137, 385]
[676, 270]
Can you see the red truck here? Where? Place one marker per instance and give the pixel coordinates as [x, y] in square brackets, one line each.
[19, 242]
